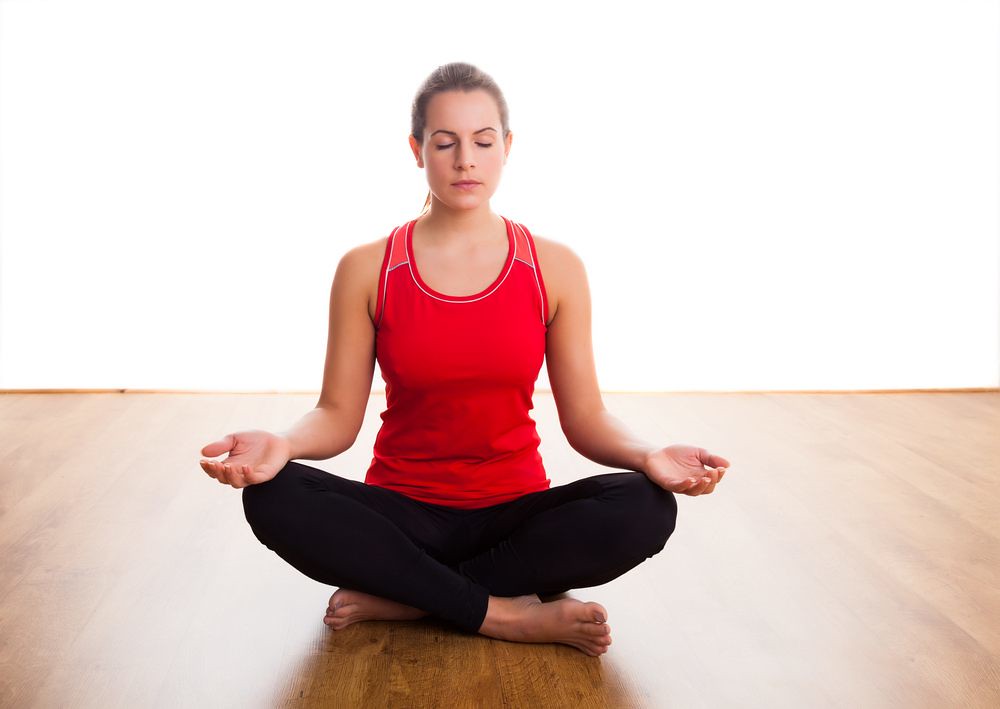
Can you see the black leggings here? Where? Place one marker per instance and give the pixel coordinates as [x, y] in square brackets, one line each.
[448, 561]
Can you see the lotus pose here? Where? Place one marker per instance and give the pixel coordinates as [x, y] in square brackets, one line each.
[456, 517]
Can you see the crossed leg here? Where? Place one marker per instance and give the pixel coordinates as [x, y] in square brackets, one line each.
[582, 534]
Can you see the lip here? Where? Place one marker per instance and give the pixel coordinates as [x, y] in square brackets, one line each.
[465, 183]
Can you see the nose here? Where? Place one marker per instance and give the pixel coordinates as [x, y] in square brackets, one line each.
[463, 158]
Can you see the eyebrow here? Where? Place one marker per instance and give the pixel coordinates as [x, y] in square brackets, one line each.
[451, 132]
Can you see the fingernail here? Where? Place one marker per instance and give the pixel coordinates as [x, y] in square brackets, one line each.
[600, 618]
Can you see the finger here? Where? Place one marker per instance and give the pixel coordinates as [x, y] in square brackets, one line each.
[239, 479]
[681, 486]
[714, 476]
[241, 476]
[208, 467]
[699, 487]
[219, 472]
[690, 485]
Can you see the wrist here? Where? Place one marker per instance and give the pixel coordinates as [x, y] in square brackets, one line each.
[646, 456]
[285, 444]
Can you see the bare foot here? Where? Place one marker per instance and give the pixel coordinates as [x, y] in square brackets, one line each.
[349, 606]
[569, 621]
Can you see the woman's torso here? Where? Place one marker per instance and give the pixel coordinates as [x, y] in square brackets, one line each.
[460, 340]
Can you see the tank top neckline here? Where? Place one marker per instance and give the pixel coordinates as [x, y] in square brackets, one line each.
[508, 262]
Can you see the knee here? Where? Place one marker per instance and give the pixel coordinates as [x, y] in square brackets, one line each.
[652, 512]
[262, 502]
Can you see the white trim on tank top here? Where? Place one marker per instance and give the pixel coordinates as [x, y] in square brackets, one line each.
[532, 264]
[511, 246]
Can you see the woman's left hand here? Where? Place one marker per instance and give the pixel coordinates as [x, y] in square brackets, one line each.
[681, 468]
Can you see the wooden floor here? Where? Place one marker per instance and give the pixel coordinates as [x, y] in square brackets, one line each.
[849, 558]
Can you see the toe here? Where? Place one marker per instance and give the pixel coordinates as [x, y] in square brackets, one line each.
[598, 613]
[591, 650]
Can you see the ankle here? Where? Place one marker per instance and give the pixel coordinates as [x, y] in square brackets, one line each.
[503, 612]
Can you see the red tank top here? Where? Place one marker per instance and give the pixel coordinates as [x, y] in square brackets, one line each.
[459, 377]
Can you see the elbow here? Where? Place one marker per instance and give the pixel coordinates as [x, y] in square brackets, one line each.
[343, 424]
[351, 434]
[577, 429]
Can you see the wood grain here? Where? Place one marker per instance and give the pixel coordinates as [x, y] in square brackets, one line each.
[850, 557]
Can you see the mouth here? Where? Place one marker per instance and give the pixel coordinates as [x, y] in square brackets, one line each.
[464, 183]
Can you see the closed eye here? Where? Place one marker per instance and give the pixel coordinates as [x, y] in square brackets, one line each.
[448, 145]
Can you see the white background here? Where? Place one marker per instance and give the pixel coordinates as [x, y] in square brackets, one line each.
[769, 195]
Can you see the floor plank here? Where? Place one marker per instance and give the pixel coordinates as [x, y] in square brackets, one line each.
[850, 557]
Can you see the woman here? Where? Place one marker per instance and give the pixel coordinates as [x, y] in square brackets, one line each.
[456, 517]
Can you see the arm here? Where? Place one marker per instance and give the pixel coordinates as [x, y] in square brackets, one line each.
[604, 439]
[589, 427]
[333, 426]
[320, 434]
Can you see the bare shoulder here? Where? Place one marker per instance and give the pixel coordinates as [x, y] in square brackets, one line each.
[562, 269]
[363, 264]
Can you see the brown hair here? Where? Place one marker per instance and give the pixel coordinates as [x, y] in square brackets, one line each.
[457, 76]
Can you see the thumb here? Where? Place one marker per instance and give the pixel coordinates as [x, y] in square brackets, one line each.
[711, 460]
[223, 445]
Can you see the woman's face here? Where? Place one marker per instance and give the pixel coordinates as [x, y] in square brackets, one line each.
[457, 148]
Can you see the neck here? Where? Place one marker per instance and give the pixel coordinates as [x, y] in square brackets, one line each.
[460, 225]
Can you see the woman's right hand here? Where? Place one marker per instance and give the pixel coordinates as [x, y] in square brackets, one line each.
[254, 457]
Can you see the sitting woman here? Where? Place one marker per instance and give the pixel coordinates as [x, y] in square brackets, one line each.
[456, 517]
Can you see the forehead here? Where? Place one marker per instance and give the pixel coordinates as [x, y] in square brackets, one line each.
[462, 111]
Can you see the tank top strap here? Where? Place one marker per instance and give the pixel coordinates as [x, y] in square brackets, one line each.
[522, 251]
[526, 253]
[395, 256]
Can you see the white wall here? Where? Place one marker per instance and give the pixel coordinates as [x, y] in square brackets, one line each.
[768, 195]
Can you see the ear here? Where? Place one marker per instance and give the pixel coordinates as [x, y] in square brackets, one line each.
[417, 152]
[507, 141]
